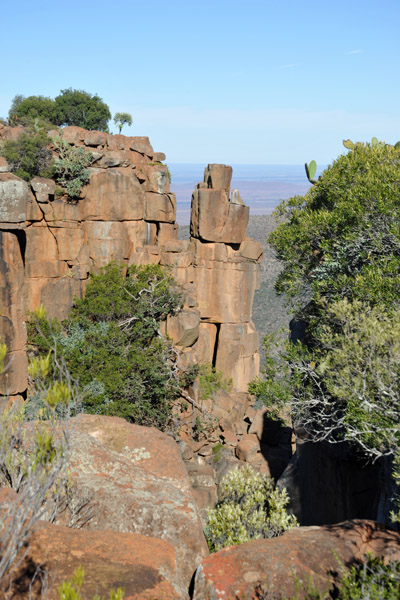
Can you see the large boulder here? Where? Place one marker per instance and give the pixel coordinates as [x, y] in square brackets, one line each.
[215, 219]
[14, 196]
[135, 481]
[144, 567]
[270, 567]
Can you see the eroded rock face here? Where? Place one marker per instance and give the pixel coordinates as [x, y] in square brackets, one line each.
[136, 482]
[270, 566]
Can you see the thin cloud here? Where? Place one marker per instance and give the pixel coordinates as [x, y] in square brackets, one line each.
[358, 51]
[288, 66]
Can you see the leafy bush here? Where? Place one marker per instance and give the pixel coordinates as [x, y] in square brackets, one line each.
[343, 238]
[111, 345]
[70, 168]
[250, 508]
[29, 155]
[77, 107]
[211, 381]
[272, 388]
[25, 110]
[348, 387]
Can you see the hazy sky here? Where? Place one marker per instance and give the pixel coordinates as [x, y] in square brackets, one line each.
[267, 82]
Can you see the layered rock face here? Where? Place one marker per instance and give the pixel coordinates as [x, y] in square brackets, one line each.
[49, 245]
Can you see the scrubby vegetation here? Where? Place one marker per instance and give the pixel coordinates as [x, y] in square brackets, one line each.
[340, 248]
[111, 345]
[250, 507]
[29, 155]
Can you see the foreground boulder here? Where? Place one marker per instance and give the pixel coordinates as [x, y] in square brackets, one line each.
[270, 567]
[144, 567]
[132, 479]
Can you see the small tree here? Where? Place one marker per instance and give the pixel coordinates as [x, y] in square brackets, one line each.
[122, 118]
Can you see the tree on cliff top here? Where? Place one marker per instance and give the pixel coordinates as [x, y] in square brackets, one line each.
[77, 107]
[70, 107]
[120, 119]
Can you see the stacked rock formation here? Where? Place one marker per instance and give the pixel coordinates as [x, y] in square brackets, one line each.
[49, 245]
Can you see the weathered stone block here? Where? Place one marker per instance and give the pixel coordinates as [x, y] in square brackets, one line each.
[41, 244]
[183, 328]
[167, 232]
[95, 138]
[205, 344]
[215, 219]
[155, 178]
[218, 177]
[114, 158]
[42, 185]
[142, 144]
[141, 233]
[107, 241]
[14, 195]
[69, 241]
[238, 353]
[225, 291]
[114, 195]
[160, 207]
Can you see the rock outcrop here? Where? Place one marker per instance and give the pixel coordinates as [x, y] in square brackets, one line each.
[49, 245]
[269, 568]
[132, 479]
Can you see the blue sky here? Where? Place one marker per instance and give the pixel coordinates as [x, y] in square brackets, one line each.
[232, 82]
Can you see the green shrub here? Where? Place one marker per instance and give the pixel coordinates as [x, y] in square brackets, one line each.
[250, 508]
[211, 381]
[70, 168]
[111, 345]
[272, 387]
[29, 155]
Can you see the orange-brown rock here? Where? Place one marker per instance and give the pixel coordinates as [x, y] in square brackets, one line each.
[73, 134]
[183, 328]
[143, 566]
[215, 219]
[114, 195]
[237, 353]
[12, 311]
[167, 232]
[155, 178]
[95, 138]
[137, 483]
[206, 343]
[218, 177]
[108, 241]
[225, 290]
[142, 144]
[160, 207]
[270, 567]
[248, 447]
